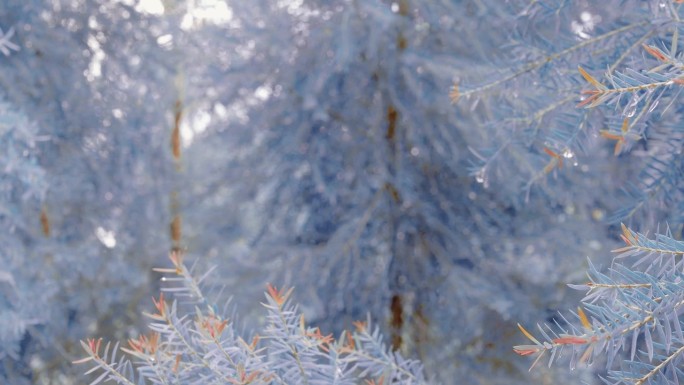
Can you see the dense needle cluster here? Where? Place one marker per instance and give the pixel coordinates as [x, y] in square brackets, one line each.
[629, 318]
[191, 342]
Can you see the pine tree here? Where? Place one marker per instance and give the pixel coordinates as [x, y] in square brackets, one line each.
[314, 145]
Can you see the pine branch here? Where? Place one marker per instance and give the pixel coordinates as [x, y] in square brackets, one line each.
[642, 300]
[206, 351]
[456, 93]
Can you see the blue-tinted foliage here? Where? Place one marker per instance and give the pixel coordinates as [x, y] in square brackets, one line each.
[192, 342]
[629, 318]
[576, 78]
[314, 144]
